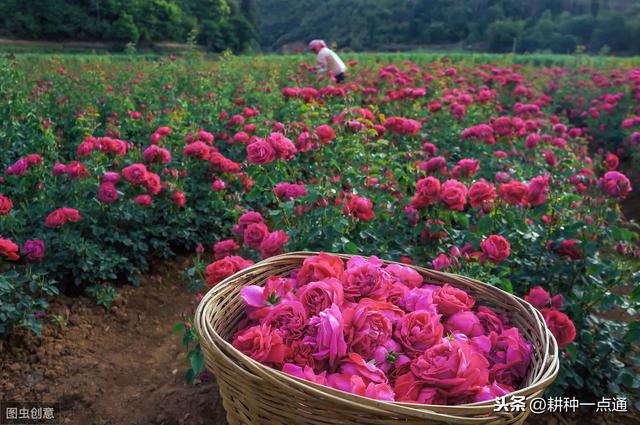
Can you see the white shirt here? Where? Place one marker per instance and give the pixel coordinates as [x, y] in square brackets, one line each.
[328, 60]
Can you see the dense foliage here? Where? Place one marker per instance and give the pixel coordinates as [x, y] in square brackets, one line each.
[479, 169]
[220, 24]
[494, 25]
[553, 25]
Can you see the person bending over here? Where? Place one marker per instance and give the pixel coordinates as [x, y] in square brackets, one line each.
[328, 60]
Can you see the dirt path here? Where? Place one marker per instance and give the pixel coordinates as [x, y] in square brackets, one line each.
[120, 367]
[631, 205]
[31, 46]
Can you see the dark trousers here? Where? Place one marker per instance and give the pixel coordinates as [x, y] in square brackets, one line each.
[340, 78]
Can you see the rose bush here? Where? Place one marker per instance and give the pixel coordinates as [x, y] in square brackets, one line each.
[490, 171]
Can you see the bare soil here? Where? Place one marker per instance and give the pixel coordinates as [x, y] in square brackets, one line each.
[118, 367]
[631, 205]
[75, 46]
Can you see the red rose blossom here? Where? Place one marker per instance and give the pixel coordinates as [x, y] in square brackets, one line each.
[9, 250]
[450, 300]
[360, 208]
[560, 326]
[480, 192]
[454, 194]
[495, 249]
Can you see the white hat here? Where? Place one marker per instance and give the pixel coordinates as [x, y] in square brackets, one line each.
[317, 44]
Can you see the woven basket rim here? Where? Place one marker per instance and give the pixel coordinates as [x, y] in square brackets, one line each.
[209, 336]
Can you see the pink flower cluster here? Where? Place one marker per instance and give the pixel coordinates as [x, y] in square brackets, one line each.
[72, 170]
[59, 217]
[616, 184]
[382, 332]
[289, 191]
[104, 144]
[262, 151]
[453, 193]
[159, 134]
[137, 174]
[21, 166]
[402, 125]
[559, 323]
[255, 234]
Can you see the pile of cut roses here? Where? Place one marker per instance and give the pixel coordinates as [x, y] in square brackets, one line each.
[382, 332]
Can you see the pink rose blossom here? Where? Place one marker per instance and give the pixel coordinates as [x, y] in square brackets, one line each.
[366, 278]
[262, 343]
[368, 325]
[405, 275]
[450, 300]
[419, 331]
[326, 335]
[465, 322]
[454, 194]
[225, 248]
[320, 295]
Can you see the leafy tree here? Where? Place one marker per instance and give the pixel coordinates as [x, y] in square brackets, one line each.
[211, 35]
[501, 35]
[612, 31]
[249, 9]
[380, 24]
[220, 22]
[244, 33]
[580, 26]
[563, 43]
[124, 29]
[436, 32]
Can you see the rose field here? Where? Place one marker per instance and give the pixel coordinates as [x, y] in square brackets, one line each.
[518, 171]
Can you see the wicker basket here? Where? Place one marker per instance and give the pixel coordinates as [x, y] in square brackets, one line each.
[256, 394]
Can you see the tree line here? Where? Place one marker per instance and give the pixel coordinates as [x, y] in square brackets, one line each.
[216, 24]
[559, 26]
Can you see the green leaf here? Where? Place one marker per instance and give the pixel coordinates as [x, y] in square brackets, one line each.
[484, 225]
[190, 376]
[521, 226]
[579, 380]
[586, 336]
[197, 360]
[187, 339]
[462, 219]
[177, 328]
[621, 234]
[571, 348]
[633, 334]
[351, 248]
[628, 379]
[507, 286]
[635, 295]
